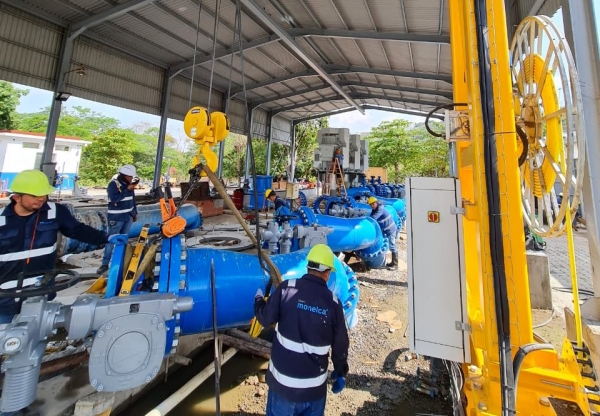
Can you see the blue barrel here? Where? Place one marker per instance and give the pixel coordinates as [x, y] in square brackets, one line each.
[261, 183]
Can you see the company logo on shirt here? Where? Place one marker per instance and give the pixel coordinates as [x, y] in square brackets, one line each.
[313, 309]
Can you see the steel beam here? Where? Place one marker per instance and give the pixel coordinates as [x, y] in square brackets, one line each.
[269, 142]
[401, 111]
[223, 53]
[248, 138]
[341, 69]
[165, 103]
[580, 16]
[357, 97]
[271, 81]
[327, 114]
[225, 109]
[308, 103]
[314, 32]
[34, 11]
[64, 63]
[262, 15]
[395, 99]
[290, 94]
[97, 19]
[445, 94]
[293, 153]
[536, 7]
[369, 35]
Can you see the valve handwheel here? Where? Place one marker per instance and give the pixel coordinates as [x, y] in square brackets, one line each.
[548, 110]
[44, 288]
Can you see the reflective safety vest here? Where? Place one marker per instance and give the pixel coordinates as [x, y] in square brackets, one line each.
[28, 245]
[309, 323]
[121, 201]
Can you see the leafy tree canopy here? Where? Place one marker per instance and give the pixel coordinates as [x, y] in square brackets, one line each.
[407, 149]
[77, 122]
[9, 100]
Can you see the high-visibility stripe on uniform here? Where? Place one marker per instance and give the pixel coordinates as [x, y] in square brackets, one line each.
[119, 211]
[292, 283]
[127, 198]
[52, 210]
[20, 255]
[300, 347]
[298, 383]
[30, 281]
[2, 220]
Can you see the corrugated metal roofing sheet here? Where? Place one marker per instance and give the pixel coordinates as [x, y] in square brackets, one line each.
[30, 49]
[57, 9]
[164, 30]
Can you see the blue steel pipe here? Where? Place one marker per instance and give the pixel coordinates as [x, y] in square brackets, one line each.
[361, 235]
[238, 276]
[350, 234]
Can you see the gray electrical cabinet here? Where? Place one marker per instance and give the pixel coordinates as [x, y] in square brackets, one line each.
[438, 321]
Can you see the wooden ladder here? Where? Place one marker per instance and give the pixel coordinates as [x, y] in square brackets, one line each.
[335, 173]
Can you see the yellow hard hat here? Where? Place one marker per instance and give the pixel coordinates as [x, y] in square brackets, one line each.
[32, 182]
[268, 193]
[323, 256]
[371, 200]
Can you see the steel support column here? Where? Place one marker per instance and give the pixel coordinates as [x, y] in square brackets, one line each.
[165, 101]
[249, 137]
[222, 142]
[269, 142]
[585, 44]
[293, 153]
[64, 63]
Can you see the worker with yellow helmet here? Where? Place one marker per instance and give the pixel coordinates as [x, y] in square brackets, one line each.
[29, 228]
[309, 321]
[388, 228]
[281, 207]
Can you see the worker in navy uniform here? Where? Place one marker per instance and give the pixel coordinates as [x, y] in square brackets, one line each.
[122, 210]
[388, 228]
[29, 228]
[309, 321]
[281, 207]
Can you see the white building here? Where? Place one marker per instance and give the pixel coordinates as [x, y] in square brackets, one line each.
[21, 150]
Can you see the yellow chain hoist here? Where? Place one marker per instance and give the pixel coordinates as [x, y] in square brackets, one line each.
[206, 130]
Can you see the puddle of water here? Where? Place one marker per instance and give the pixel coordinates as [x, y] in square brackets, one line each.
[202, 401]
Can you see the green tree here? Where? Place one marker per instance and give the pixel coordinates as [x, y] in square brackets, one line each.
[408, 150]
[76, 122]
[101, 159]
[234, 159]
[306, 143]
[9, 101]
[393, 148]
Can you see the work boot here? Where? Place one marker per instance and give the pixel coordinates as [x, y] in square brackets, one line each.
[102, 269]
[394, 264]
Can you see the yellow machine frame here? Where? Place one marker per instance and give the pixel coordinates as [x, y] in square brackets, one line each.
[544, 375]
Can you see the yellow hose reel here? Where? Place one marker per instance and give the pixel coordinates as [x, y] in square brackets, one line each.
[206, 130]
[551, 139]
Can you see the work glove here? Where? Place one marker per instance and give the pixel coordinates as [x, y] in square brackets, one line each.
[338, 383]
[118, 239]
[259, 294]
[135, 218]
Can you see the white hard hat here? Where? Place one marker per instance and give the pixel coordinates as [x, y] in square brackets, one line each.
[128, 170]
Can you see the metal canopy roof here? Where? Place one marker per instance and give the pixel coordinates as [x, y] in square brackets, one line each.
[301, 57]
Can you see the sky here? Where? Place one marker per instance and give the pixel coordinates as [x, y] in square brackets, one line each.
[357, 123]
